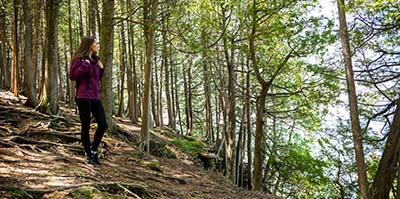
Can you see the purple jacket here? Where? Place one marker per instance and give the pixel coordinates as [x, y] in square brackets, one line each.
[89, 76]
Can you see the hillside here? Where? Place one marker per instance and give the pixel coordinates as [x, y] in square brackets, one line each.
[41, 157]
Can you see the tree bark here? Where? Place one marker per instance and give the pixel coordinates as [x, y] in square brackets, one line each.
[188, 98]
[3, 58]
[15, 50]
[36, 41]
[248, 129]
[92, 17]
[386, 171]
[80, 19]
[165, 60]
[206, 82]
[71, 54]
[149, 18]
[49, 101]
[106, 54]
[159, 112]
[122, 70]
[29, 81]
[354, 115]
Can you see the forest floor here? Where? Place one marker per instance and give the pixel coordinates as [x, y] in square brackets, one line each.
[41, 157]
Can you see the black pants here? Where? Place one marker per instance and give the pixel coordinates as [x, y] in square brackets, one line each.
[87, 106]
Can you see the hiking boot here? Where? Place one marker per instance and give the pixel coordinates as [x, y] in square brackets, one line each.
[90, 161]
[95, 158]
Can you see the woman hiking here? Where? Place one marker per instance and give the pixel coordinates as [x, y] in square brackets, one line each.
[87, 70]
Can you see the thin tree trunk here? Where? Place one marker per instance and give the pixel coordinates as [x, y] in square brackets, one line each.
[66, 70]
[92, 17]
[122, 70]
[248, 128]
[106, 54]
[165, 60]
[153, 95]
[149, 18]
[14, 69]
[354, 115]
[159, 97]
[3, 53]
[188, 93]
[60, 81]
[80, 19]
[72, 83]
[177, 104]
[129, 83]
[207, 101]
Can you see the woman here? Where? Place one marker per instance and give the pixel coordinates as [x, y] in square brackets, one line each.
[87, 70]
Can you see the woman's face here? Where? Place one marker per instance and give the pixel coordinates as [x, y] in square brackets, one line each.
[94, 47]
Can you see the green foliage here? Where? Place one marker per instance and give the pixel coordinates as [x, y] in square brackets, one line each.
[189, 145]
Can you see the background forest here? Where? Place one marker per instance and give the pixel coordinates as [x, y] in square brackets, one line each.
[297, 101]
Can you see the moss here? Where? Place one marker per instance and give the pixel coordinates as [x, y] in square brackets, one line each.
[168, 133]
[154, 166]
[17, 192]
[88, 192]
[189, 145]
[160, 149]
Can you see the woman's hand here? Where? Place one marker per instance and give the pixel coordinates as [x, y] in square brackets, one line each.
[100, 64]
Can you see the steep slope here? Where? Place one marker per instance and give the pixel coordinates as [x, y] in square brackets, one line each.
[41, 157]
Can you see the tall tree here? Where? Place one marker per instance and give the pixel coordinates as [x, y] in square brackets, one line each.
[92, 17]
[231, 105]
[15, 50]
[106, 55]
[354, 115]
[29, 81]
[149, 19]
[206, 86]
[165, 62]
[122, 62]
[386, 172]
[71, 54]
[49, 101]
[5, 71]
[187, 83]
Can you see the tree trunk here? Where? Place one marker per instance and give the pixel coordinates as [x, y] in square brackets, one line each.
[66, 71]
[386, 171]
[149, 18]
[165, 60]
[188, 98]
[248, 129]
[354, 115]
[36, 41]
[14, 68]
[49, 101]
[177, 104]
[92, 17]
[3, 58]
[207, 101]
[71, 54]
[122, 70]
[106, 54]
[153, 95]
[60, 81]
[132, 75]
[29, 81]
[159, 96]
[80, 19]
